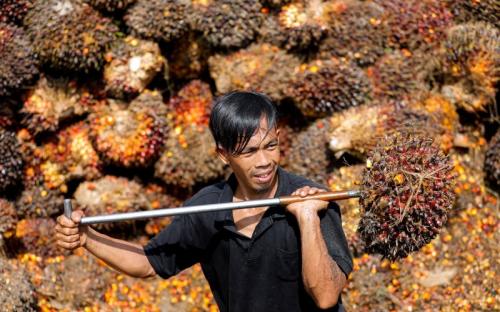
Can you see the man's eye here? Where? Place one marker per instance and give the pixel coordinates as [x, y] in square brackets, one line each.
[272, 146]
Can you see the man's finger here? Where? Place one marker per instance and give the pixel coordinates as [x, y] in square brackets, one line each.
[67, 238]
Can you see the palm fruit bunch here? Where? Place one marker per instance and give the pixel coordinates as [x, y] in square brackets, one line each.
[492, 161]
[416, 24]
[227, 24]
[472, 10]
[309, 154]
[11, 161]
[18, 66]
[69, 35]
[52, 101]
[407, 192]
[37, 237]
[17, 293]
[342, 179]
[110, 5]
[128, 136]
[397, 75]
[261, 67]
[326, 86]
[467, 66]
[75, 283]
[359, 129]
[159, 197]
[299, 26]
[8, 222]
[131, 64]
[190, 106]
[40, 200]
[13, 11]
[164, 20]
[189, 58]
[356, 31]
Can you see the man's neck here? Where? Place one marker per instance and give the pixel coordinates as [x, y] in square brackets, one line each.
[243, 193]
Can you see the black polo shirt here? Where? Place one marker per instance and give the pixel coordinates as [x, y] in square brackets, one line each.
[262, 273]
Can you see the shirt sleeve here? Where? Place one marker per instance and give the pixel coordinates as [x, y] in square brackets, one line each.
[175, 248]
[336, 242]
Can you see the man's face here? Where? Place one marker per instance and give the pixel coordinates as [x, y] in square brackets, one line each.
[256, 166]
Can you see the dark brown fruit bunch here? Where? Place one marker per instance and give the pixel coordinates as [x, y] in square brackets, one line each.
[158, 19]
[191, 105]
[407, 192]
[309, 155]
[189, 58]
[189, 157]
[356, 30]
[53, 101]
[263, 68]
[474, 10]
[40, 201]
[37, 237]
[69, 35]
[17, 62]
[323, 87]
[110, 5]
[17, 293]
[228, 23]
[8, 220]
[492, 161]
[13, 11]
[128, 136]
[11, 162]
[131, 65]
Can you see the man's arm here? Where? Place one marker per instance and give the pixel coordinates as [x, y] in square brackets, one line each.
[126, 257]
[322, 277]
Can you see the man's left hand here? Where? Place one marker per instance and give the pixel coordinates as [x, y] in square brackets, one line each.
[307, 208]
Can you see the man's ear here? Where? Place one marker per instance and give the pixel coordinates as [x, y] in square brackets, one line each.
[222, 154]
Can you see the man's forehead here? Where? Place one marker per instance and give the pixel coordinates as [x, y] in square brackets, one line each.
[262, 134]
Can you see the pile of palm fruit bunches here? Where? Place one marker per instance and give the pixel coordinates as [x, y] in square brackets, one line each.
[107, 102]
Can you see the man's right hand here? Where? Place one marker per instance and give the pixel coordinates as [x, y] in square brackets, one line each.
[70, 234]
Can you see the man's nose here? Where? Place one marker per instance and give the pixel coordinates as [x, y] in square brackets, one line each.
[262, 159]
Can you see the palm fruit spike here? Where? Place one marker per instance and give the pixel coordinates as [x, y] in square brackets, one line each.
[128, 136]
[189, 157]
[470, 10]
[13, 11]
[228, 24]
[17, 61]
[17, 293]
[164, 20]
[467, 66]
[110, 5]
[356, 30]
[261, 67]
[52, 101]
[416, 24]
[11, 162]
[492, 161]
[69, 35]
[131, 65]
[191, 105]
[323, 87]
[407, 192]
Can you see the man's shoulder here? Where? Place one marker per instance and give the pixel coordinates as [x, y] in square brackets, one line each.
[207, 195]
[296, 181]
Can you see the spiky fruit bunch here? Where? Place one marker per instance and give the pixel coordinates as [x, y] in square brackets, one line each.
[191, 106]
[309, 155]
[17, 293]
[40, 201]
[189, 157]
[188, 60]
[467, 66]
[127, 137]
[492, 160]
[261, 67]
[52, 101]
[299, 25]
[110, 5]
[349, 178]
[75, 283]
[13, 11]
[228, 23]
[8, 219]
[11, 162]
[323, 87]
[356, 30]
[158, 19]
[416, 23]
[407, 192]
[398, 74]
[17, 62]
[472, 10]
[131, 65]
[37, 237]
[69, 35]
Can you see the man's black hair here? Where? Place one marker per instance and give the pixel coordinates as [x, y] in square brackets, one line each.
[236, 116]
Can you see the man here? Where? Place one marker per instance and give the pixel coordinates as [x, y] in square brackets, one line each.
[260, 259]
